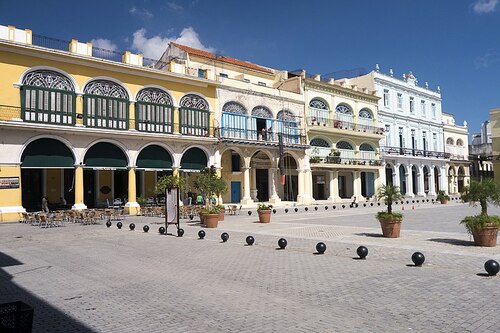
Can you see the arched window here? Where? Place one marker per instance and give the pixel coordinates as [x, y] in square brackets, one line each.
[48, 97]
[285, 115]
[194, 116]
[287, 125]
[318, 104]
[366, 147]
[154, 111]
[261, 112]
[105, 105]
[343, 109]
[234, 107]
[344, 145]
[449, 141]
[318, 142]
[365, 113]
[460, 142]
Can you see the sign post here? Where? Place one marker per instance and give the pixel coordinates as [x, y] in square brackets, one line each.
[171, 208]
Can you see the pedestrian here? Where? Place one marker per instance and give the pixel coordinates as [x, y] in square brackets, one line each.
[63, 203]
[199, 199]
[45, 204]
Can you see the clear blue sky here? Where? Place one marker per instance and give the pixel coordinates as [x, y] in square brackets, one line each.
[451, 43]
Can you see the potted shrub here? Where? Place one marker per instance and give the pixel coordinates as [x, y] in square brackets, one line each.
[483, 227]
[222, 212]
[264, 212]
[389, 221]
[209, 183]
[211, 216]
[443, 197]
[315, 159]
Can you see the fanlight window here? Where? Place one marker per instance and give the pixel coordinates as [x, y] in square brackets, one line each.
[234, 107]
[194, 102]
[48, 79]
[105, 88]
[344, 145]
[262, 112]
[318, 104]
[365, 113]
[460, 142]
[449, 141]
[285, 115]
[366, 147]
[318, 142]
[154, 95]
[344, 109]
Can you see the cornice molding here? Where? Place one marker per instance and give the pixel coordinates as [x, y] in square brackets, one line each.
[342, 91]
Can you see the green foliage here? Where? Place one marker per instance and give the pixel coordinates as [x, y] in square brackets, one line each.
[315, 159]
[479, 222]
[142, 201]
[483, 192]
[170, 182]
[213, 209]
[389, 216]
[208, 183]
[264, 207]
[442, 196]
[389, 193]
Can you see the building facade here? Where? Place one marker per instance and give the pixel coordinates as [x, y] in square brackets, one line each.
[495, 142]
[343, 133]
[457, 150]
[413, 148]
[481, 153]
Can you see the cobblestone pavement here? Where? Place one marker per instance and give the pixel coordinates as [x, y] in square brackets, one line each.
[94, 279]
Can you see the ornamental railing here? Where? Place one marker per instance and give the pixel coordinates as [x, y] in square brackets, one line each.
[344, 160]
[414, 152]
[343, 125]
[261, 137]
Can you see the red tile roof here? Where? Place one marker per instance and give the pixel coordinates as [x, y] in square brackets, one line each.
[205, 54]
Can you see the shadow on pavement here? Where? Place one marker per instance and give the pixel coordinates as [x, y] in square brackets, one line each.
[46, 318]
[451, 241]
[369, 234]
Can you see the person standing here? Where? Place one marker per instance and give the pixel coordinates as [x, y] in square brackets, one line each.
[45, 204]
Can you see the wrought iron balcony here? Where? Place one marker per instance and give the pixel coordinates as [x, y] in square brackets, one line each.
[414, 152]
[243, 136]
[344, 160]
[343, 125]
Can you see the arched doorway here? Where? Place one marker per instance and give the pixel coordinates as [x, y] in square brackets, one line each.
[105, 177]
[414, 179]
[290, 188]
[260, 165]
[389, 174]
[153, 162]
[427, 175]
[437, 186]
[402, 179]
[47, 169]
[192, 162]
[461, 179]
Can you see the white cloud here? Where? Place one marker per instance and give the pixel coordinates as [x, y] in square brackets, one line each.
[174, 7]
[485, 6]
[155, 46]
[142, 13]
[104, 44]
[486, 60]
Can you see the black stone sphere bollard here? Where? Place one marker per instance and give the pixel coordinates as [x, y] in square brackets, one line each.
[334, 207]
[108, 224]
[378, 203]
[362, 252]
[282, 243]
[250, 240]
[191, 216]
[343, 206]
[316, 208]
[357, 205]
[306, 209]
[249, 212]
[161, 230]
[131, 226]
[180, 232]
[145, 228]
[119, 225]
[418, 258]
[274, 211]
[371, 204]
[492, 267]
[326, 207]
[286, 210]
[407, 201]
[321, 247]
[224, 236]
[201, 234]
[364, 205]
[296, 210]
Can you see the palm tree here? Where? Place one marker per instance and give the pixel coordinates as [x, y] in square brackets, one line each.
[389, 193]
[484, 192]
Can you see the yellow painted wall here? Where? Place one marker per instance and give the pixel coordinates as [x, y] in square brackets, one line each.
[54, 185]
[13, 65]
[149, 184]
[105, 177]
[230, 176]
[10, 197]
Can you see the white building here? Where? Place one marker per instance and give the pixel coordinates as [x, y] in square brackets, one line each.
[413, 148]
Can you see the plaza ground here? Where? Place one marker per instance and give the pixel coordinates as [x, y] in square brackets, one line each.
[94, 279]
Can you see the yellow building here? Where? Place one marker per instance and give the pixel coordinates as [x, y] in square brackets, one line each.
[343, 132]
[457, 150]
[495, 138]
[94, 126]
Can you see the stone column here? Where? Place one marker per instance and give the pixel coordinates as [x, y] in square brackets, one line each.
[432, 185]
[132, 207]
[301, 194]
[253, 186]
[308, 187]
[357, 185]
[79, 204]
[409, 182]
[395, 176]
[420, 181]
[334, 186]
[246, 187]
[274, 198]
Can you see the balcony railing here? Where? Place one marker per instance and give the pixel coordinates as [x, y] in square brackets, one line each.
[260, 137]
[343, 125]
[344, 160]
[414, 152]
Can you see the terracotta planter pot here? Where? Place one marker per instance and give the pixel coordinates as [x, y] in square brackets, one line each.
[221, 214]
[211, 220]
[486, 236]
[444, 202]
[264, 216]
[202, 218]
[391, 228]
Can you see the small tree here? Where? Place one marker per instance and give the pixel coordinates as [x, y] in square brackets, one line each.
[208, 183]
[389, 193]
[171, 181]
[482, 192]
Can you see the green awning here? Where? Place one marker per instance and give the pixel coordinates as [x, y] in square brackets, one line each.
[154, 157]
[105, 155]
[194, 159]
[47, 153]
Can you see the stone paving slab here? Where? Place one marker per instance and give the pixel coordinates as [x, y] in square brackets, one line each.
[94, 279]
